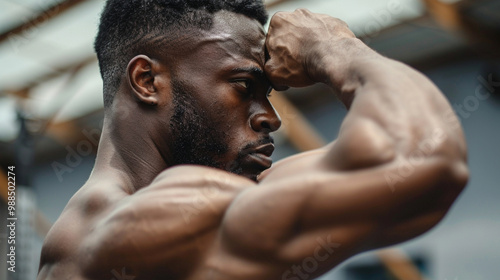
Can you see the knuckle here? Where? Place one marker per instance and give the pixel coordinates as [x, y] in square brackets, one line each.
[279, 15]
[269, 68]
[303, 11]
[273, 20]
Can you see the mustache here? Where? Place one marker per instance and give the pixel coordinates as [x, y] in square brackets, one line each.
[260, 142]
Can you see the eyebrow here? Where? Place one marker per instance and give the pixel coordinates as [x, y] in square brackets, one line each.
[253, 70]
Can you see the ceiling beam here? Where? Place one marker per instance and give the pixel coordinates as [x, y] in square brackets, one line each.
[46, 15]
[65, 69]
[455, 17]
[42, 17]
[59, 9]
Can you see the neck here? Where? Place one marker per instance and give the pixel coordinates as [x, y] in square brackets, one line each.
[127, 157]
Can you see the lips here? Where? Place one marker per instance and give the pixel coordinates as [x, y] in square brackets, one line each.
[266, 150]
[261, 155]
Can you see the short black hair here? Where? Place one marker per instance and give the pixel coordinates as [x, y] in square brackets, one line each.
[130, 27]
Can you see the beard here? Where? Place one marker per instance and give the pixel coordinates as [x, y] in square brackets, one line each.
[201, 141]
[195, 140]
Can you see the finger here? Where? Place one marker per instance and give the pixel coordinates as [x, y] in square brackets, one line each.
[303, 11]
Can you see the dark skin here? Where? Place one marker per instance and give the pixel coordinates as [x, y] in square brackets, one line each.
[396, 168]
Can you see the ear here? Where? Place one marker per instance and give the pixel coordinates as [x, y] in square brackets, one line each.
[141, 72]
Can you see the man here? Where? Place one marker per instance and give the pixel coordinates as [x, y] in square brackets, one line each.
[186, 87]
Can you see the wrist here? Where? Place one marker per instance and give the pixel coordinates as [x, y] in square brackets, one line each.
[335, 63]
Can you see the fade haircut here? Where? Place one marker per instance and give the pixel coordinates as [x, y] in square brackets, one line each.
[132, 27]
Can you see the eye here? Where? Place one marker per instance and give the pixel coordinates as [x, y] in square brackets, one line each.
[244, 83]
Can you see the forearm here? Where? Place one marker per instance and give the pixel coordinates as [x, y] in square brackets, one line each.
[394, 111]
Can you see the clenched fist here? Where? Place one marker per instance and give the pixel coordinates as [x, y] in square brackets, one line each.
[301, 44]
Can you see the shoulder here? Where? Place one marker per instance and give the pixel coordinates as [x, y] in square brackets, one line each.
[63, 242]
[181, 202]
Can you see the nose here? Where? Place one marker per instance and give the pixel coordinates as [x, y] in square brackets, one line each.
[266, 119]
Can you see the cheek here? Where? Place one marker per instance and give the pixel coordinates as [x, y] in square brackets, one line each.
[228, 105]
[232, 119]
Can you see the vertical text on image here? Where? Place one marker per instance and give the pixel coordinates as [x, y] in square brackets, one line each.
[11, 218]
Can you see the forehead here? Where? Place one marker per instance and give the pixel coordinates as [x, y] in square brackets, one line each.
[233, 38]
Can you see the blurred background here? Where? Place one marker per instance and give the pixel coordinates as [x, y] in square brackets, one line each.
[51, 114]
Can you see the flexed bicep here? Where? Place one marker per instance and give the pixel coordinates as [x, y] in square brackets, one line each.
[292, 219]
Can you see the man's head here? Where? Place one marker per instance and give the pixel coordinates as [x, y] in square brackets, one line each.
[196, 70]
[129, 27]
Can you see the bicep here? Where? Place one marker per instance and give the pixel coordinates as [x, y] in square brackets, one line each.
[359, 209]
[378, 200]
